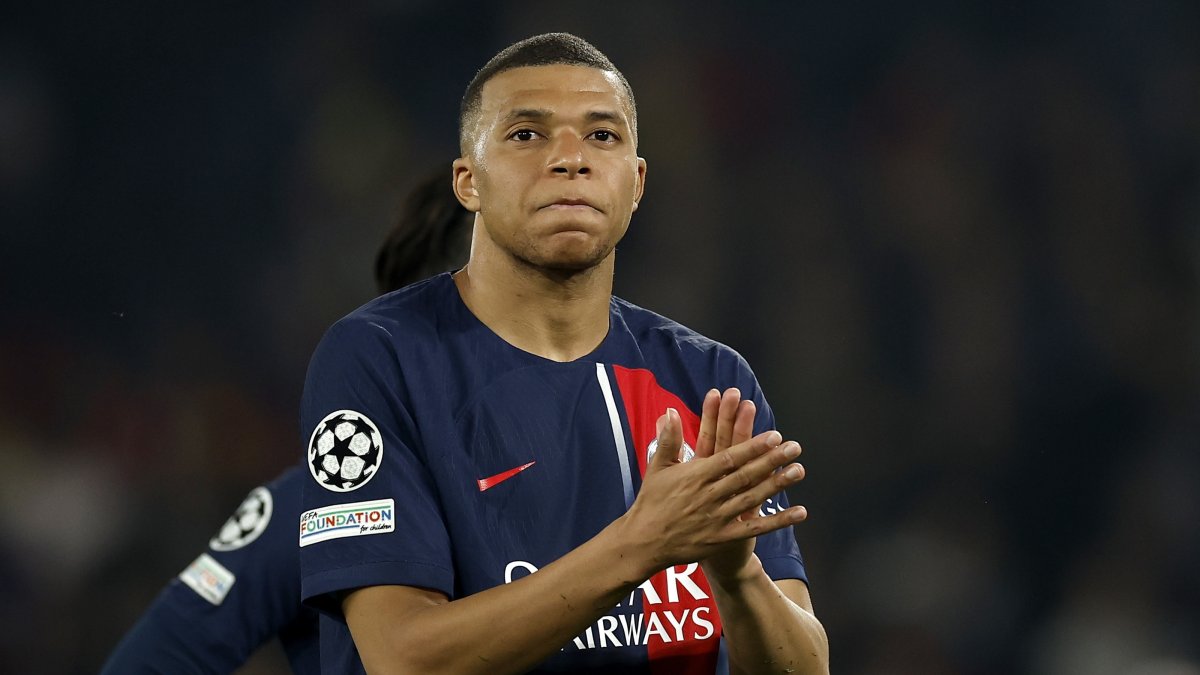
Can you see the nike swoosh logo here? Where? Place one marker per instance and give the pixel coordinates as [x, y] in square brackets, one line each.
[493, 481]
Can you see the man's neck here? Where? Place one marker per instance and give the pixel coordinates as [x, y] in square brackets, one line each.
[556, 315]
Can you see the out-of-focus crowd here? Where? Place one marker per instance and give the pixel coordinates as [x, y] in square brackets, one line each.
[960, 245]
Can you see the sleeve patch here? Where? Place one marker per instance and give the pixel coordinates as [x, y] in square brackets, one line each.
[344, 451]
[247, 523]
[208, 578]
[347, 520]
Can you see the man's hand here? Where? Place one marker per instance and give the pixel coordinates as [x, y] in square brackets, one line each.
[726, 420]
[692, 511]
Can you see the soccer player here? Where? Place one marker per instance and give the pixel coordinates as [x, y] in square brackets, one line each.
[245, 588]
[511, 469]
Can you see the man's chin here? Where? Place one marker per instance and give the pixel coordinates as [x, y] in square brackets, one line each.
[569, 262]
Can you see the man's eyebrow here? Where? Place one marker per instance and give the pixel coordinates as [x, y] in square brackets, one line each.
[605, 116]
[541, 115]
[536, 114]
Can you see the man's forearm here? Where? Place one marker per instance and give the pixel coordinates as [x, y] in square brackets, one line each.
[684, 511]
[765, 630]
[505, 629]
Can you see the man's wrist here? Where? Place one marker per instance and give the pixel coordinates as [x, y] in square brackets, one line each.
[635, 558]
[730, 581]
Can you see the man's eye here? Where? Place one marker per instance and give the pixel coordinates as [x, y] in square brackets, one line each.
[604, 136]
[523, 135]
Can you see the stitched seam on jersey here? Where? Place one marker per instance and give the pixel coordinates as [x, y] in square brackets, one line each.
[618, 434]
[374, 563]
[786, 556]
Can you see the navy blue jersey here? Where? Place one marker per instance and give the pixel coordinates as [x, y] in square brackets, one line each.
[239, 593]
[442, 457]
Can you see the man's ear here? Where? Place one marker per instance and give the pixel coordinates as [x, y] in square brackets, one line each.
[641, 183]
[464, 185]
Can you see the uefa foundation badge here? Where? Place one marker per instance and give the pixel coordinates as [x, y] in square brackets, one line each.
[347, 520]
[345, 451]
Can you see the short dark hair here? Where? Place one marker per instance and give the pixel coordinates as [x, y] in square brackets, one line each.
[431, 236]
[548, 49]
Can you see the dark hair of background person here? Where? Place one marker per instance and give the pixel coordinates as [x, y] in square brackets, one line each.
[540, 50]
[431, 236]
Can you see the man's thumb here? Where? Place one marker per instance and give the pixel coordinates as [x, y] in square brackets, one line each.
[670, 439]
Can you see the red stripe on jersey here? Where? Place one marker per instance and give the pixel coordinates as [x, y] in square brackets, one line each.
[681, 615]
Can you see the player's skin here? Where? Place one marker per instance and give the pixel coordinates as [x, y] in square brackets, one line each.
[758, 615]
[552, 173]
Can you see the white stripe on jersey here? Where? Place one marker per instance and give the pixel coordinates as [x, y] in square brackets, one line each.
[618, 434]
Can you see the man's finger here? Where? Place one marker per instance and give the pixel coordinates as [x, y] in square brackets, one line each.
[706, 438]
[726, 417]
[744, 529]
[751, 499]
[756, 470]
[743, 426]
[734, 458]
[670, 440]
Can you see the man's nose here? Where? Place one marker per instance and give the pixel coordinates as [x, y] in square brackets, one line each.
[568, 155]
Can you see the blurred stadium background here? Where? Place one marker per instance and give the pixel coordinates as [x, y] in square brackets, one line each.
[959, 242]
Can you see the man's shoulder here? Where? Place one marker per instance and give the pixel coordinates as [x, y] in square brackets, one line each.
[651, 329]
[412, 311]
[286, 487]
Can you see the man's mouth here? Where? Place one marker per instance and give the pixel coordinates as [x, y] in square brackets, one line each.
[570, 203]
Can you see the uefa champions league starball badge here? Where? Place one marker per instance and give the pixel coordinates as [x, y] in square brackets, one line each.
[345, 451]
[244, 526]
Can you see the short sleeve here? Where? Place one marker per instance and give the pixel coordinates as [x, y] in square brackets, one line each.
[241, 592]
[370, 513]
[778, 550]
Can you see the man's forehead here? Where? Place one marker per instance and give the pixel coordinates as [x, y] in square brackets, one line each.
[551, 85]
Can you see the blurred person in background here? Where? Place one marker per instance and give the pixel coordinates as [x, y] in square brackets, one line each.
[244, 590]
[495, 486]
